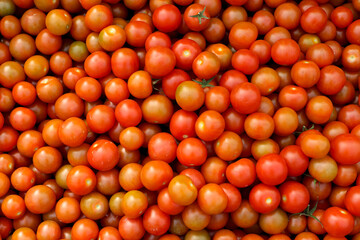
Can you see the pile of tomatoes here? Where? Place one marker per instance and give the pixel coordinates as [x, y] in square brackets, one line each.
[179, 119]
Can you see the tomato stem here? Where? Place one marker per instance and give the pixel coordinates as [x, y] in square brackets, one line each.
[309, 213]
[204, 83]
[304, 128]
[200, 15]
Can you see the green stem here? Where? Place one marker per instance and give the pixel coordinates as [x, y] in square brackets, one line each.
[200, 15]
[205, 83]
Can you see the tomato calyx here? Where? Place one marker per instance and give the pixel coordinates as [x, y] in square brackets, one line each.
[304, 128]
[200, 15]
[205, 83]
[309, 213]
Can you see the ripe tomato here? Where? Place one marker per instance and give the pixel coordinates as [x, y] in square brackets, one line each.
[340, 149]
[245, 61]
[40, 199]
[81, 180]
[212, 199]
[243, 167]
[242, 35]
[313, 20]
[271, 169]
[296, 161]
[155, 221]
[209, 125]
[159, 61]
[162, 146]
[84, 228]
[294, 197]
[196, 17]
[245, 98]
[337, 221]
[124, 62]
[228, 146]
[264, 198]
[182, 124]
[155, 175]
[259, 126]
[182, 190]
[191, 152]
[189, 95]
[167, 18]
[285, 52]
[97, 64]
[103, 155]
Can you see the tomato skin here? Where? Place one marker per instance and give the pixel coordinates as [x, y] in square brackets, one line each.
[155, 221]
[157, 109]
[337, 221]
[97, 64]
[124, 62]
[182, 124]
[274, 222]
[131, 228]
[297, 162]
[185, 50]
[351, 198]
[185, 185]
[305, 73]
[245, 61]
[159, 61]
[259, 126]
[271, 169]
[231, 78]
[81, 180]
[98, 160]
[319, 109]
[72, 132]
[191, 152]
[345, 149]
[352, 32]
[206, 65]
[13, 206]
[243, 167]
[155, 175]
[280, 52]
[313, 19]
[157, 149]
[40, 199]
[167, 18]
[171, 81]
[212, 199]
[264, 198]
[245, 98]
[100, 118]
[84, 228]
[189, 95]
[228, 146]
[242, 35]
[209, 125]
[128, 113]
[194, 23]
[294, 197]
[197, 110]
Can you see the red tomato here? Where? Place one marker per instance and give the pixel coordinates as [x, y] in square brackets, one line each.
[191, 152]
[271, 169]
[103, 155]
[345, 149]
[337, 221]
